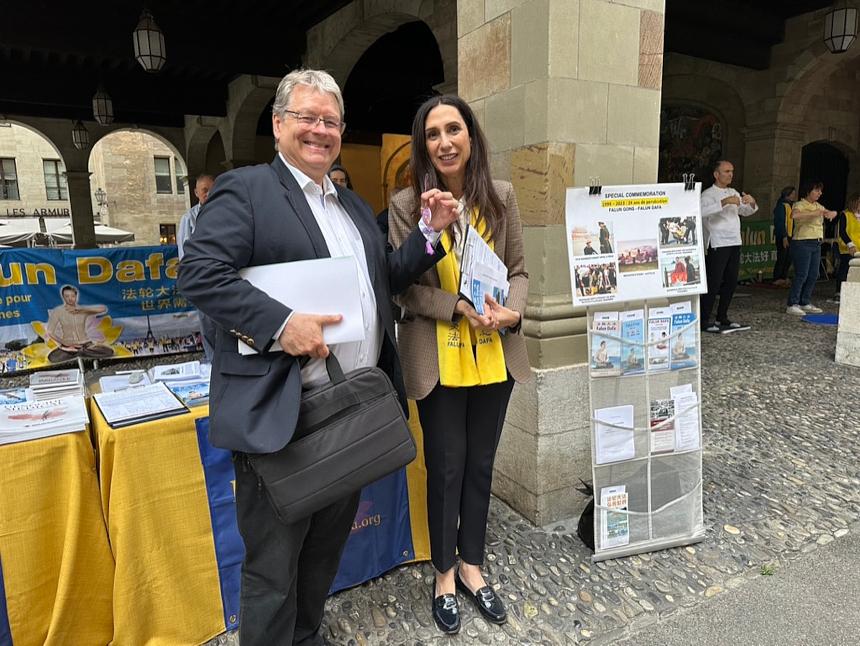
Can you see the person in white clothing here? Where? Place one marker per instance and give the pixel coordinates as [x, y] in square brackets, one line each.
[721, 206]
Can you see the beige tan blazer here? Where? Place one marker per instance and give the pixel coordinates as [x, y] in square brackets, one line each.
[425, 301]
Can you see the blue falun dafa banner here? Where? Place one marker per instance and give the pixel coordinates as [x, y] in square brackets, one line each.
[57, 305]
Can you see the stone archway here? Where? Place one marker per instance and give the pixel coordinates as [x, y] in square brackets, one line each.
[337, 43]
[247, 97]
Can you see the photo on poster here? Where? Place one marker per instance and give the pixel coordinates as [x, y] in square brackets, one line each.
[592, 239]
[595, 278]
[677, 231]
[680, 268]
[637, 255]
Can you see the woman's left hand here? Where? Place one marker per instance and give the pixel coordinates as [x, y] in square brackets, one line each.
[504, 317]
[443, 208]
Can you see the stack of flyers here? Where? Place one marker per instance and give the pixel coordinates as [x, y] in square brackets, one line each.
[684, 349]
[614, 528]
[662, 423]
[605, 345]
[632, 342]
[659, 328]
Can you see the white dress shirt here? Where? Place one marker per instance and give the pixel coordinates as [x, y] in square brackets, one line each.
[342, 239]
[720, 224]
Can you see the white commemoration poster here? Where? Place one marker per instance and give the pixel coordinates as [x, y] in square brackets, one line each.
[634, 242]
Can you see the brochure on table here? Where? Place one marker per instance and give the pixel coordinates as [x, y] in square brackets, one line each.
[635, 242]
[637, 264]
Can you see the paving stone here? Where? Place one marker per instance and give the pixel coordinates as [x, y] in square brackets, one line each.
[778, 482]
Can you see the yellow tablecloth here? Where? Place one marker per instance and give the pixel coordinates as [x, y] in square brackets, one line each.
[166, 588]
[56, 563]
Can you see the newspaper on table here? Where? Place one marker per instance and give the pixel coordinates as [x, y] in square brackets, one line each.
[605, 345]
[188, 371]
[482, 272]
[614, 527]
[15, 395]
[37, 419]
[124, 380]
[137, 405]
[52, 384]
[192, 393]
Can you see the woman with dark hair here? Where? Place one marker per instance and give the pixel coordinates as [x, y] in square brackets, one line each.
[459, 364]
[781, 218]
[805, 248]
[339, 176]
[848, 228]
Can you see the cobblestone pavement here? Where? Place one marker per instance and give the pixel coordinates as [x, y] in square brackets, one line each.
[781, 478]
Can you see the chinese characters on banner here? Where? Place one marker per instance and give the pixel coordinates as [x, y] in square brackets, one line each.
[58, 305]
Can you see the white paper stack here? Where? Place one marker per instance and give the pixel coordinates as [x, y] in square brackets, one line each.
[188, 371]
[53, 384]
[36, 419]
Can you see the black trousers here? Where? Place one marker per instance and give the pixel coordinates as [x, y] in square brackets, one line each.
[722, 265]
[461, 427]
[783, 261]
[288, 568]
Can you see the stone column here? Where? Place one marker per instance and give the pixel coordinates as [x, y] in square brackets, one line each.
[772, 161]
[566, 90]
[81, 204]
[848, 335]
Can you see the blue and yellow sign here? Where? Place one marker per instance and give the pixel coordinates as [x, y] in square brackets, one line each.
[58, 305]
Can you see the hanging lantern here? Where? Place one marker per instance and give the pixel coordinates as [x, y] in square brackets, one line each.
[80, 136]
[148, 42]
[102, 107]
[840, 29]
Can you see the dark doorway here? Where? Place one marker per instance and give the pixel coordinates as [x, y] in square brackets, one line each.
[824, 162]
[391, 79]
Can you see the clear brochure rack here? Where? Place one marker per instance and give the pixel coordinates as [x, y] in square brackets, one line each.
[651, 499]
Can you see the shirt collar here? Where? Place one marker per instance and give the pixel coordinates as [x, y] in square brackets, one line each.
[305, 182]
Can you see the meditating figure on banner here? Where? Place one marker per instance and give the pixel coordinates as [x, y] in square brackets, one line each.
[288, 211]
[461, 389]
[73, 328]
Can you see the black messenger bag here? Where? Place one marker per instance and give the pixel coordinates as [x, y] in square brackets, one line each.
[350, 432]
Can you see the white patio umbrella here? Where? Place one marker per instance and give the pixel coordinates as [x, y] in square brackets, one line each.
[104, 234]
[18, 230]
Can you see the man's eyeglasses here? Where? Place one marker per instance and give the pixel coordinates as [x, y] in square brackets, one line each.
[311, 121]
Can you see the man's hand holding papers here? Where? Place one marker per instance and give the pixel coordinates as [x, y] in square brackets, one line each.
[303, 334]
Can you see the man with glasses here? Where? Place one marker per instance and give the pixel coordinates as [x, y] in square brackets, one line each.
[286, 211]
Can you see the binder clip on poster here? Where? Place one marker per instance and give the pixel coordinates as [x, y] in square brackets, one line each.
[594, 187]
[689, 181]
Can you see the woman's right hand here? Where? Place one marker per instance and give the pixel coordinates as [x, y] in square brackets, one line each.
[478, 321]
[785, 243]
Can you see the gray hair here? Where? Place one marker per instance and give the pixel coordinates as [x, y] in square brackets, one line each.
[317, 79]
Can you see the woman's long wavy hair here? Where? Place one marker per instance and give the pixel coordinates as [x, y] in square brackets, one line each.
[478, 190]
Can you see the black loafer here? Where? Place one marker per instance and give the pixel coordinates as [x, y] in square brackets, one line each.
[488, 603]
[446, 611]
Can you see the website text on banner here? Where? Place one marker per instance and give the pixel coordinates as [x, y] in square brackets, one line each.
[57, 305]
[634, 242]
